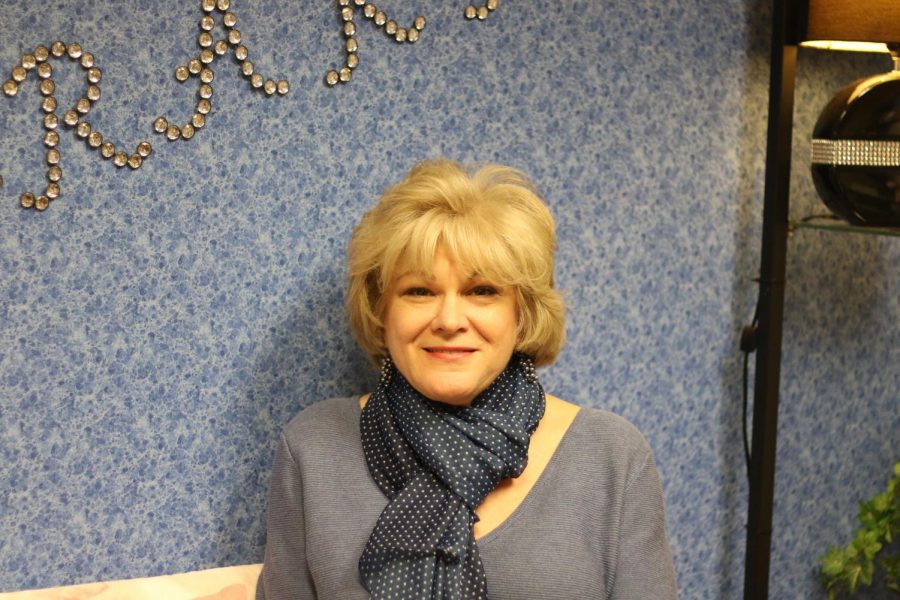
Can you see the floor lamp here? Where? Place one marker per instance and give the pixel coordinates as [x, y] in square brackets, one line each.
[830, 24]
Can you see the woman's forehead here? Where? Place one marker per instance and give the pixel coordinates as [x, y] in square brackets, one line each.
[422, 266]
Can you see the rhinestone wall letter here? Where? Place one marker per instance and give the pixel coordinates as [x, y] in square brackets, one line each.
[199, 67]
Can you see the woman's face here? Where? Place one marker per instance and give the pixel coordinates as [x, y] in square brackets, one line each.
[450, 335]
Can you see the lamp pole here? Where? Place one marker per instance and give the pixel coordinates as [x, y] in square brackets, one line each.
[771, 298]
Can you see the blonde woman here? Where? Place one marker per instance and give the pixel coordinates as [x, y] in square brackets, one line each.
[458, 477]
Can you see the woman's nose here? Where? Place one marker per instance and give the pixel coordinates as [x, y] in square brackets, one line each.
[450, 315]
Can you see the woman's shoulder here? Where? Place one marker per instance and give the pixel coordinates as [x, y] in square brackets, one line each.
[614, 426]
[335, 420]
[603, 437]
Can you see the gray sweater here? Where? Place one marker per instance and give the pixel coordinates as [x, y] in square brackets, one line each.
[592, 527]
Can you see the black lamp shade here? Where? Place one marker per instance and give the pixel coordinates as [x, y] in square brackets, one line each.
[856, 152]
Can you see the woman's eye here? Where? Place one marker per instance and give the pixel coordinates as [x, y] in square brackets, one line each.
[417, 291]
[485, 290]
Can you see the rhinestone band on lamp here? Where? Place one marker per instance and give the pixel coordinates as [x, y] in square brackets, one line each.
[857, 153]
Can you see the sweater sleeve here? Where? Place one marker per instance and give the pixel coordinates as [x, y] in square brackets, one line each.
[285, 573]
[644, 568]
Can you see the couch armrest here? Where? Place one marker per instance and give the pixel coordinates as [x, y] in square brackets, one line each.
[226, 583]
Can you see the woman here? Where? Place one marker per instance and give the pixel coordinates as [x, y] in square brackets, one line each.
[458, 477]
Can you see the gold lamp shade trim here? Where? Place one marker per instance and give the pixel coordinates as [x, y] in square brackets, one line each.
[853, 24]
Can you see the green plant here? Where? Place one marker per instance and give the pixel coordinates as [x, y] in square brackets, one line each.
[844, 569]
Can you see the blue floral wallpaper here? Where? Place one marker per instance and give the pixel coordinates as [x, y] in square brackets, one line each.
[159, 326]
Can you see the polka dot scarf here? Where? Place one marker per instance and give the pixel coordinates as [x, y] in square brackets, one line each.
[436, 463]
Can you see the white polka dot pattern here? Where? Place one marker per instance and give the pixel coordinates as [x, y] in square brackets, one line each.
[436, 463]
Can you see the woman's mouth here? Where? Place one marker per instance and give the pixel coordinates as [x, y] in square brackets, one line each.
[449, 352]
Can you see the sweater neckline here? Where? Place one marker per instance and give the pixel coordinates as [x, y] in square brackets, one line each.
[544, 479]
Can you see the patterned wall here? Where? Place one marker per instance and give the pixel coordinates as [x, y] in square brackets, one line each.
[160, 326]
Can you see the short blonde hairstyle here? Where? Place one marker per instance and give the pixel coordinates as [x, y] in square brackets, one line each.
[491, 222]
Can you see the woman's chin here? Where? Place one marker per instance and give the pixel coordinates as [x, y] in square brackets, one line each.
[452, 396]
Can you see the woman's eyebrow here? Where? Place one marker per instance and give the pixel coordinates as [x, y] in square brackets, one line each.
[416, 275]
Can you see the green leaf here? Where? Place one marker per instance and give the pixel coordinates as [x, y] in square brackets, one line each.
[833, 561]
[846, 568]
[853, 579]
[866, 573]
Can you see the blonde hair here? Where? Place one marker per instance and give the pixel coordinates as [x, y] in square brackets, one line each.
[491, 221]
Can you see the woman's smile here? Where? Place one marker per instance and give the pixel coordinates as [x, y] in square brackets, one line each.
[449, 353]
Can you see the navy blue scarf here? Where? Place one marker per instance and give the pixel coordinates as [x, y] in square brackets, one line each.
[436, 463]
